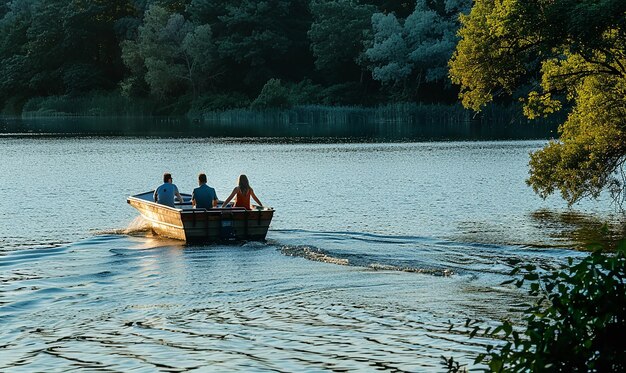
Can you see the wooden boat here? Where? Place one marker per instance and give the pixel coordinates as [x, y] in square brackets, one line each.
[186, 223]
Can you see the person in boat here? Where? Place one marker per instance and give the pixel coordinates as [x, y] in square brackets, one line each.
[242, 193]
[164, 194]
[203, 197]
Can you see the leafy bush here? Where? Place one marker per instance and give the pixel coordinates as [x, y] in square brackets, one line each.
[305, 93]
[577, 324]
[220, 102]
[178, 106]
[79, 78]
[352, 93]
[273, 95]
[134, 87]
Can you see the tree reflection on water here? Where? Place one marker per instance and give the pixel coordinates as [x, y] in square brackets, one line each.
[584, 231]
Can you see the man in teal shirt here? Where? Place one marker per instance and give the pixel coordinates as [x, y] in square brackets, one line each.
[203, 197]
[164, 194]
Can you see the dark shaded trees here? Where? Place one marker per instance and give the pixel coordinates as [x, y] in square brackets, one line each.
[406, 53]
[59, 47]
[197, 49]
[337, 36]
[14, 88]
[261, 40]
[171, 55]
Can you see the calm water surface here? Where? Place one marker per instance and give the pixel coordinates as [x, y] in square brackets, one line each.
[373, 248]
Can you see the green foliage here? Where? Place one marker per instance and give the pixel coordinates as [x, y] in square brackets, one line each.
[485, 58]
[273, 95]
[578, 48]
[174, 6]
[418, 48]
[452, 366]
[95, 104]
[180, 106]
[56, 47]
[592, 145]
[59, 47]
[250, 36]
[171, 55]
[13, 28]
[176, 51]
[305, 93]
[350, 93]
[82, 77]
[200, 56]
[260, 40]
[389, 52]
[577, 323]
[337, 34]
[401, 8]
[220, 102]
[4, 9]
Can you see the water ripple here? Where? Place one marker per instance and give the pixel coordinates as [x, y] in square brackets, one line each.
[114, 303]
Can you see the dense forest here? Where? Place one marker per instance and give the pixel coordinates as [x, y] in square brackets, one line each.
[213, 54]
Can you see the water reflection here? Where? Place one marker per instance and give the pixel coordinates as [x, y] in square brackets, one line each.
[585, 231]
[355, 130]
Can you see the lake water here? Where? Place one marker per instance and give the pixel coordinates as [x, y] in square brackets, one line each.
[374, 247]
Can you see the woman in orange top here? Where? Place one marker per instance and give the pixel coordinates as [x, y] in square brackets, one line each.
[242, 193]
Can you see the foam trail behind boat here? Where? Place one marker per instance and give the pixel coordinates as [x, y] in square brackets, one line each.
[138, 225]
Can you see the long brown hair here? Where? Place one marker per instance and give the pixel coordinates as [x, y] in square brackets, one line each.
[244, 184]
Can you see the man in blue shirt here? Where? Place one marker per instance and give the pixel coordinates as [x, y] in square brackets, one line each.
[203, 197]
[166, 192]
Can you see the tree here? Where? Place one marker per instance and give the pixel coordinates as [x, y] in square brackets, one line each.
[273, 95]
[417, 49]
[170, 54]
[401, 8]
[337, 34]
[257, 40]
[13, 38]
[578, 49]
[210, 12]
[389, 55]
[199, 50]
[431, 35]
[4, 8]
[59, 47]
[172, 6]
[259, 37]
[89, 49]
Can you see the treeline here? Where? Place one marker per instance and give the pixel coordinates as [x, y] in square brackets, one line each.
[205, 55]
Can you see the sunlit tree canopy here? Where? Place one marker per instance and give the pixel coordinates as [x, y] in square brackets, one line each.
[572, 56]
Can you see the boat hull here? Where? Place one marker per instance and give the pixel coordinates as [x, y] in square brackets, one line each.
[200, 225]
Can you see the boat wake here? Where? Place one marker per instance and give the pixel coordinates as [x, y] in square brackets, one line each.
[137, 227]
[408, 254]
[414, 254]
[313, 253]
[360, 260]
[365, 250]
